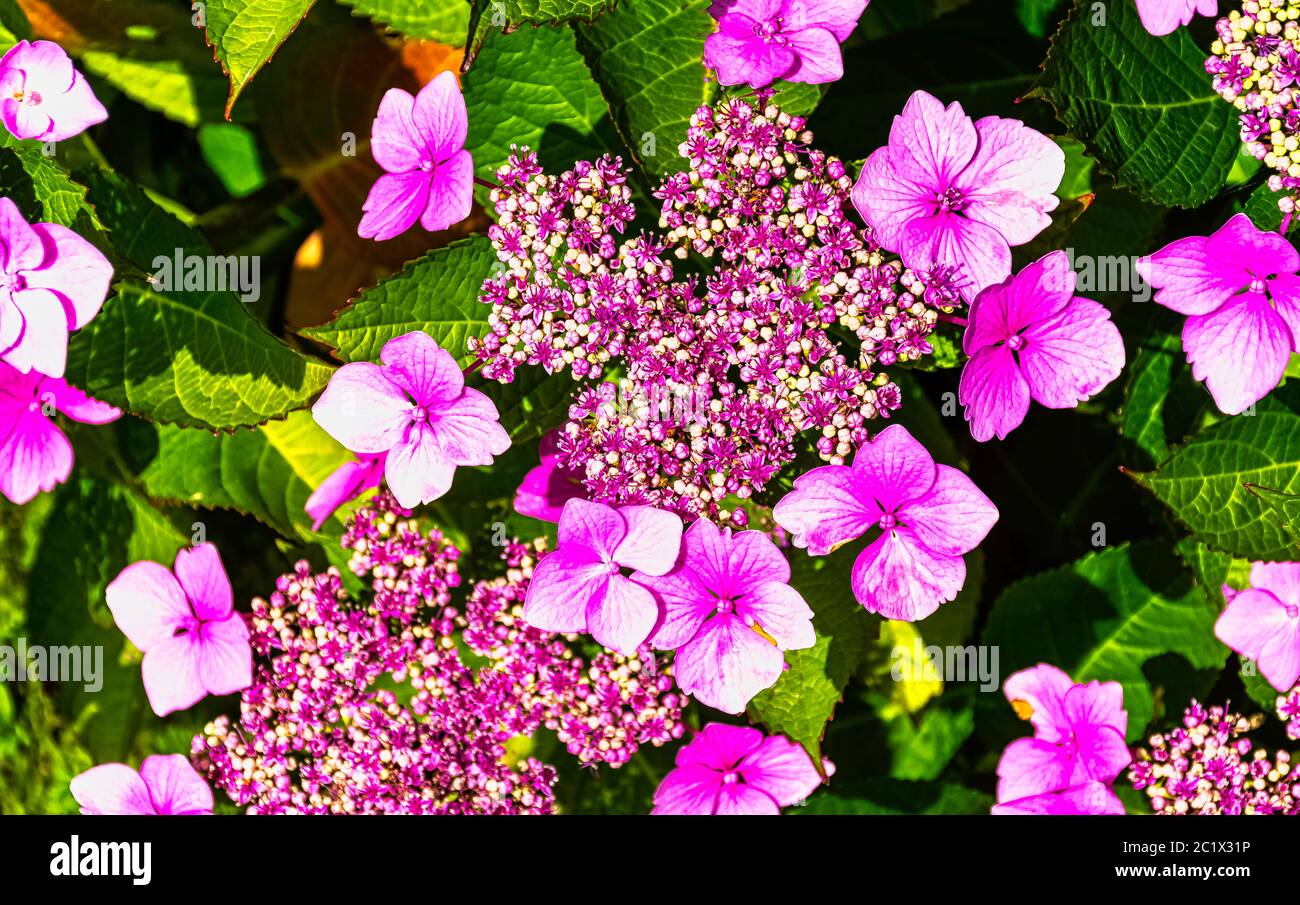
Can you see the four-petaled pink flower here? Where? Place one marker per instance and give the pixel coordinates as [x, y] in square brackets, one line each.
[1031, 337]
[420, 143]
[184, 621]
[43, 95]
[760, 41]
[348, 481]
[929, 515]
[1241, 294]
[581, 587]
[952, 192]
[736, 770]
[1078, 740]
[52, 281]
[549, 485]
[166, 784]
[34, 454]
[417, 409]
[730, 613]
[1263, 622]
[1162, 17]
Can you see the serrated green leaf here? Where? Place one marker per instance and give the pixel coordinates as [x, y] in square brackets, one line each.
[1204, 484]
[245, 34]
[885, 797]
[1104, 617]
[437, 294]
[648, 58]
[1143, 105]
[267, 472]
[444, 21]
[1036, 15]
[1161, 401]
[532, 403]
[496, 16]
[42, 190]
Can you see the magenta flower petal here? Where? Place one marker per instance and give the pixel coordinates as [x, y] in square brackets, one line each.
[363, 409]
[562, 585]
[441, 117]
[686, 604]
[423, 369]
[1090, 798]
[726, 664]
[45, 97]
[622, 618]
[889, 196]
[1284, 289]
[817, 56]
[394, 203]
[112, 789]
[1032, 766]
[174, 786]
[826, 509]
[894, 468]
[1010, 181]
[467, 431]
[74, 269]
[147, 603]
[1281, 579]
[170, 672]
[75, 404]
[224, 659]
[548, 486]
[1214, 344]
[204, 581]
[978, 249]
[742, 799]
[1163, 17]
[839, 17]
[1187, 280]
[417, 469]
[934, 142]
[759, 41]
[395, 141]
[451, 192]
[782, 769]
[595, 526]
[746, 60]
[900, 578]
[44, 343]
[1259, 625]
[35, 457]
[24, 249]
[783, 614]
[1038, 293]
[348, 481]
[1043, 688]
[652, 541]
[689, 790]
[1073, 356]
[953, 517]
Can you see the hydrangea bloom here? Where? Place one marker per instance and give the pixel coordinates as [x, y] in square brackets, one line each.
[1078, 739]
[45, 97]
[759, 41]
[184, 621]
[548, 485]
[52, 282]
[730, 613]
[1031, 337]
[34, 454]
[950, 191]
[417, 409]
[348, 481]
[420, 143]
[1087, 798]
[1239, 290]
[580, 587]
[1263, 622]
[166, 784]
[1162, 17]
[929, 515]
[736, 770]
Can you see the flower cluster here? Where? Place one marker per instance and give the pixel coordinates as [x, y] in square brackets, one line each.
[1288, 711]
[1209, 766]
[722, 321]
[1256, 68]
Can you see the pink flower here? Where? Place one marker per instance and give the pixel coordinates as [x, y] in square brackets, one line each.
[417, 409]
[1078, 737]
[949, 191]
[1031, 337]
[548, 486]
[759, 41]
[166, 784]
[349, 481]
[729, 770]
[1095, 798]
[1263, 622]
[1161, 17]
[929, 515]
[44, 96]
[194, 642]
[581, 588]
[34, 454]
[420, 143]
[52, 281]
[1240, 291]
[730, 613]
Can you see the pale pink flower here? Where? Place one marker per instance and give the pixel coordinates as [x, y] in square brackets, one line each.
[548, 485]
[1031, 337]
[928, 516]
[949, 191]
[166, 784]
[730, 614]
[581, 586]
[417, 409]
[1090, 798]
[760, 41]
[1241, 295]
[52, 281]
[1162, 17]
[1263, 622]
[44, 96]
[35, 455]
[734, 770]
[184, 621]
[348, 481]
[1078, 739]
[420, 143]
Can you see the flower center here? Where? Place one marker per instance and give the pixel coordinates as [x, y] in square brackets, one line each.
[1292, 611]
[428, 165]
[731, 777]
[888, 521]
[1016, 343]
[951, 200]
[12, 282]
[419, 414]
[1259, 286]
[726, 606]
[30, 98]
[770, 31]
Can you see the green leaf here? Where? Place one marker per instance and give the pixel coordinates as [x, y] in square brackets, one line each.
[1204, 484]
[648, 58]
[922, 746]
[14, 26]
[267, 472]
[803, 700]
[437, 294]
[532, 88]
[1258, 687]
[42, 190]
[487, 16]
[1162, 403]
[231, 152]
[1104, 617]
[164, 86]
[444, 21]
[888, 797]
[1143, 105]
[1036, 15]
[245, 34]
[532, 403]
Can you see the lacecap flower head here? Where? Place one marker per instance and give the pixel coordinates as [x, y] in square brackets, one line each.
[43, 96]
